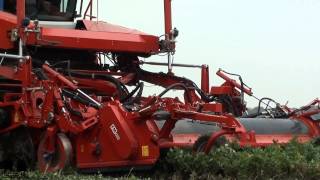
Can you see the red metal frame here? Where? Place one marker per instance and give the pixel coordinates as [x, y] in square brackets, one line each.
[167, 19]
[89, 8]
[20, 12]
[112, 134]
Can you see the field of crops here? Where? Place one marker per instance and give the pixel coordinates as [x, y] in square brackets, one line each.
[292, 161]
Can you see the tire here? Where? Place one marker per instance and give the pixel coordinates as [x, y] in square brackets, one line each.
[201, 143]
[18, 150]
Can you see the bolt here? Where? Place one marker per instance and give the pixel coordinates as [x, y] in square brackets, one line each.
[50, 117]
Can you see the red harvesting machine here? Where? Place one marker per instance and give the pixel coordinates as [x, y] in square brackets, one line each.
[64, 97]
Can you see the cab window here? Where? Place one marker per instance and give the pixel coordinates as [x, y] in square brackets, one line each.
[51, 10]
[9, 6]
[45, 10]
[1, 5]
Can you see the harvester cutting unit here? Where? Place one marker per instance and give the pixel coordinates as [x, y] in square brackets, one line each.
[61, 102]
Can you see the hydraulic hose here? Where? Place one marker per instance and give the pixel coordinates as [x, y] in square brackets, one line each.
[174, 86]
[186, 82]
[127, 99]
[123, 91]
[40, 74]
[261, 100]
[77, 97]
[203, 96]
[71, 110]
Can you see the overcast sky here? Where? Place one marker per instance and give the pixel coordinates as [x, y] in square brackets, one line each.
[273, 44]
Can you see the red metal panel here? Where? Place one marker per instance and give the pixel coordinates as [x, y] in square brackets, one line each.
[99, 41]
[219, 90]
[265, 140]
[119, 133]
[122, 164]
[107, 27]
[7, 22]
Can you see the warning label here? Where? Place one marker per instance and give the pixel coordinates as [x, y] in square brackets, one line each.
[145, 151]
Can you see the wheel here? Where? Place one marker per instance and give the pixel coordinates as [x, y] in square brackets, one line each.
[4, 117]
[61, 158]
[17, 150]
[201, 143]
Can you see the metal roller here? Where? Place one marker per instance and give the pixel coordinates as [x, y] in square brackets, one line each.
[258, 125]
[191, 126]
[274, 126]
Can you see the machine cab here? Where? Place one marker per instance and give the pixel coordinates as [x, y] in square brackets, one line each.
[44, 10]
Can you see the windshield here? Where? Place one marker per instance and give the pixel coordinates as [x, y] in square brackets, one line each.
[51, 10]
[45, 10]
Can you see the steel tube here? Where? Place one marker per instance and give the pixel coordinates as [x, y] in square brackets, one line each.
[20, 47]
[169, 63]
[87, 96]
[173, 64]
[12, 56]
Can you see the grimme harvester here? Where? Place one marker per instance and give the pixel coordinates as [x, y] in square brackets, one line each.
[61, 103]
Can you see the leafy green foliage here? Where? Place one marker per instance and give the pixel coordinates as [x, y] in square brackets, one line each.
[292, 161]
[71, 175]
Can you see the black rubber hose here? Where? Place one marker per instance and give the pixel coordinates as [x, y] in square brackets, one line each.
[174, 86]
[140, 88]
[120, 86]
[67, 105]
[71, 110]
[139, 95]
[226, 100]
[241, 82]
[77, 97]
[253, 115]
[260, 101]
[40, 74]
[187, 82]
[203, 96]
[124, 93]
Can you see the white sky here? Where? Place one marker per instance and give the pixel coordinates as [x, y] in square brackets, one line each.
[273, 44]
